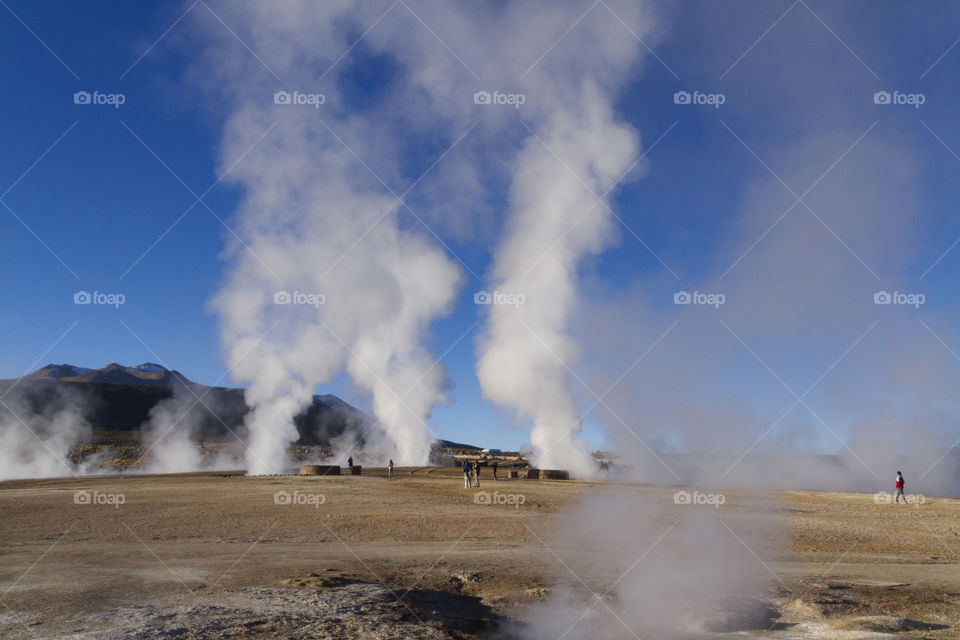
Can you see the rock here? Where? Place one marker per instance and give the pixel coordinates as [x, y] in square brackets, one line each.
[465, 578]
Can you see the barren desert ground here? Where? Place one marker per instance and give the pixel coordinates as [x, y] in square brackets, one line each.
[227, 556]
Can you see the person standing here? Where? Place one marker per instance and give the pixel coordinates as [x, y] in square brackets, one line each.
[494, 467]
[900, 485]
[466, 474]
[390, 468]
[476, 472]
[350, 463]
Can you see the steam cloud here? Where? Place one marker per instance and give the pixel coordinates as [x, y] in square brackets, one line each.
[556, 220]
[712, 402]
[172, 434]
[316, 221]
[37, 430]
[630, 564]
[318, 216]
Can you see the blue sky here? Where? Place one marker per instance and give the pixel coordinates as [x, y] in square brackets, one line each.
[94, 194]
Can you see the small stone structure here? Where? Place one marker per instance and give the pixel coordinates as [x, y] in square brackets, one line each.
[319, 470]
[548, 474]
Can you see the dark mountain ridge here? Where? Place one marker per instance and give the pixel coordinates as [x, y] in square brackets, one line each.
[118, 401]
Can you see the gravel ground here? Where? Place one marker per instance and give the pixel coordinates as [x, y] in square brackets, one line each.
[220, 556]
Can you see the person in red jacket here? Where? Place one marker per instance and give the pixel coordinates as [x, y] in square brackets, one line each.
[900, 484]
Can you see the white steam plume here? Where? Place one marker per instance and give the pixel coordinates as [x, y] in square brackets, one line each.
[556, 221]
[309, 199]
[316, 221]
[378, 299]
[175, 427]
[37, 430]
[631, 564]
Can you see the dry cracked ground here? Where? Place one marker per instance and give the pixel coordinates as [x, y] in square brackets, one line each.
[227, 556]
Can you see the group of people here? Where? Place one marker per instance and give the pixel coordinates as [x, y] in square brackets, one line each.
[471, 473]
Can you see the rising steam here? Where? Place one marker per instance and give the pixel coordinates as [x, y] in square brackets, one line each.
[177, 425]
[318, 218]
[319, 226]
[633, 564]
[556, 220]
[37, 431]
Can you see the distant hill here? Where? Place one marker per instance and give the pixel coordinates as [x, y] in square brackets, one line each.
[117, 401]
[146, 373]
